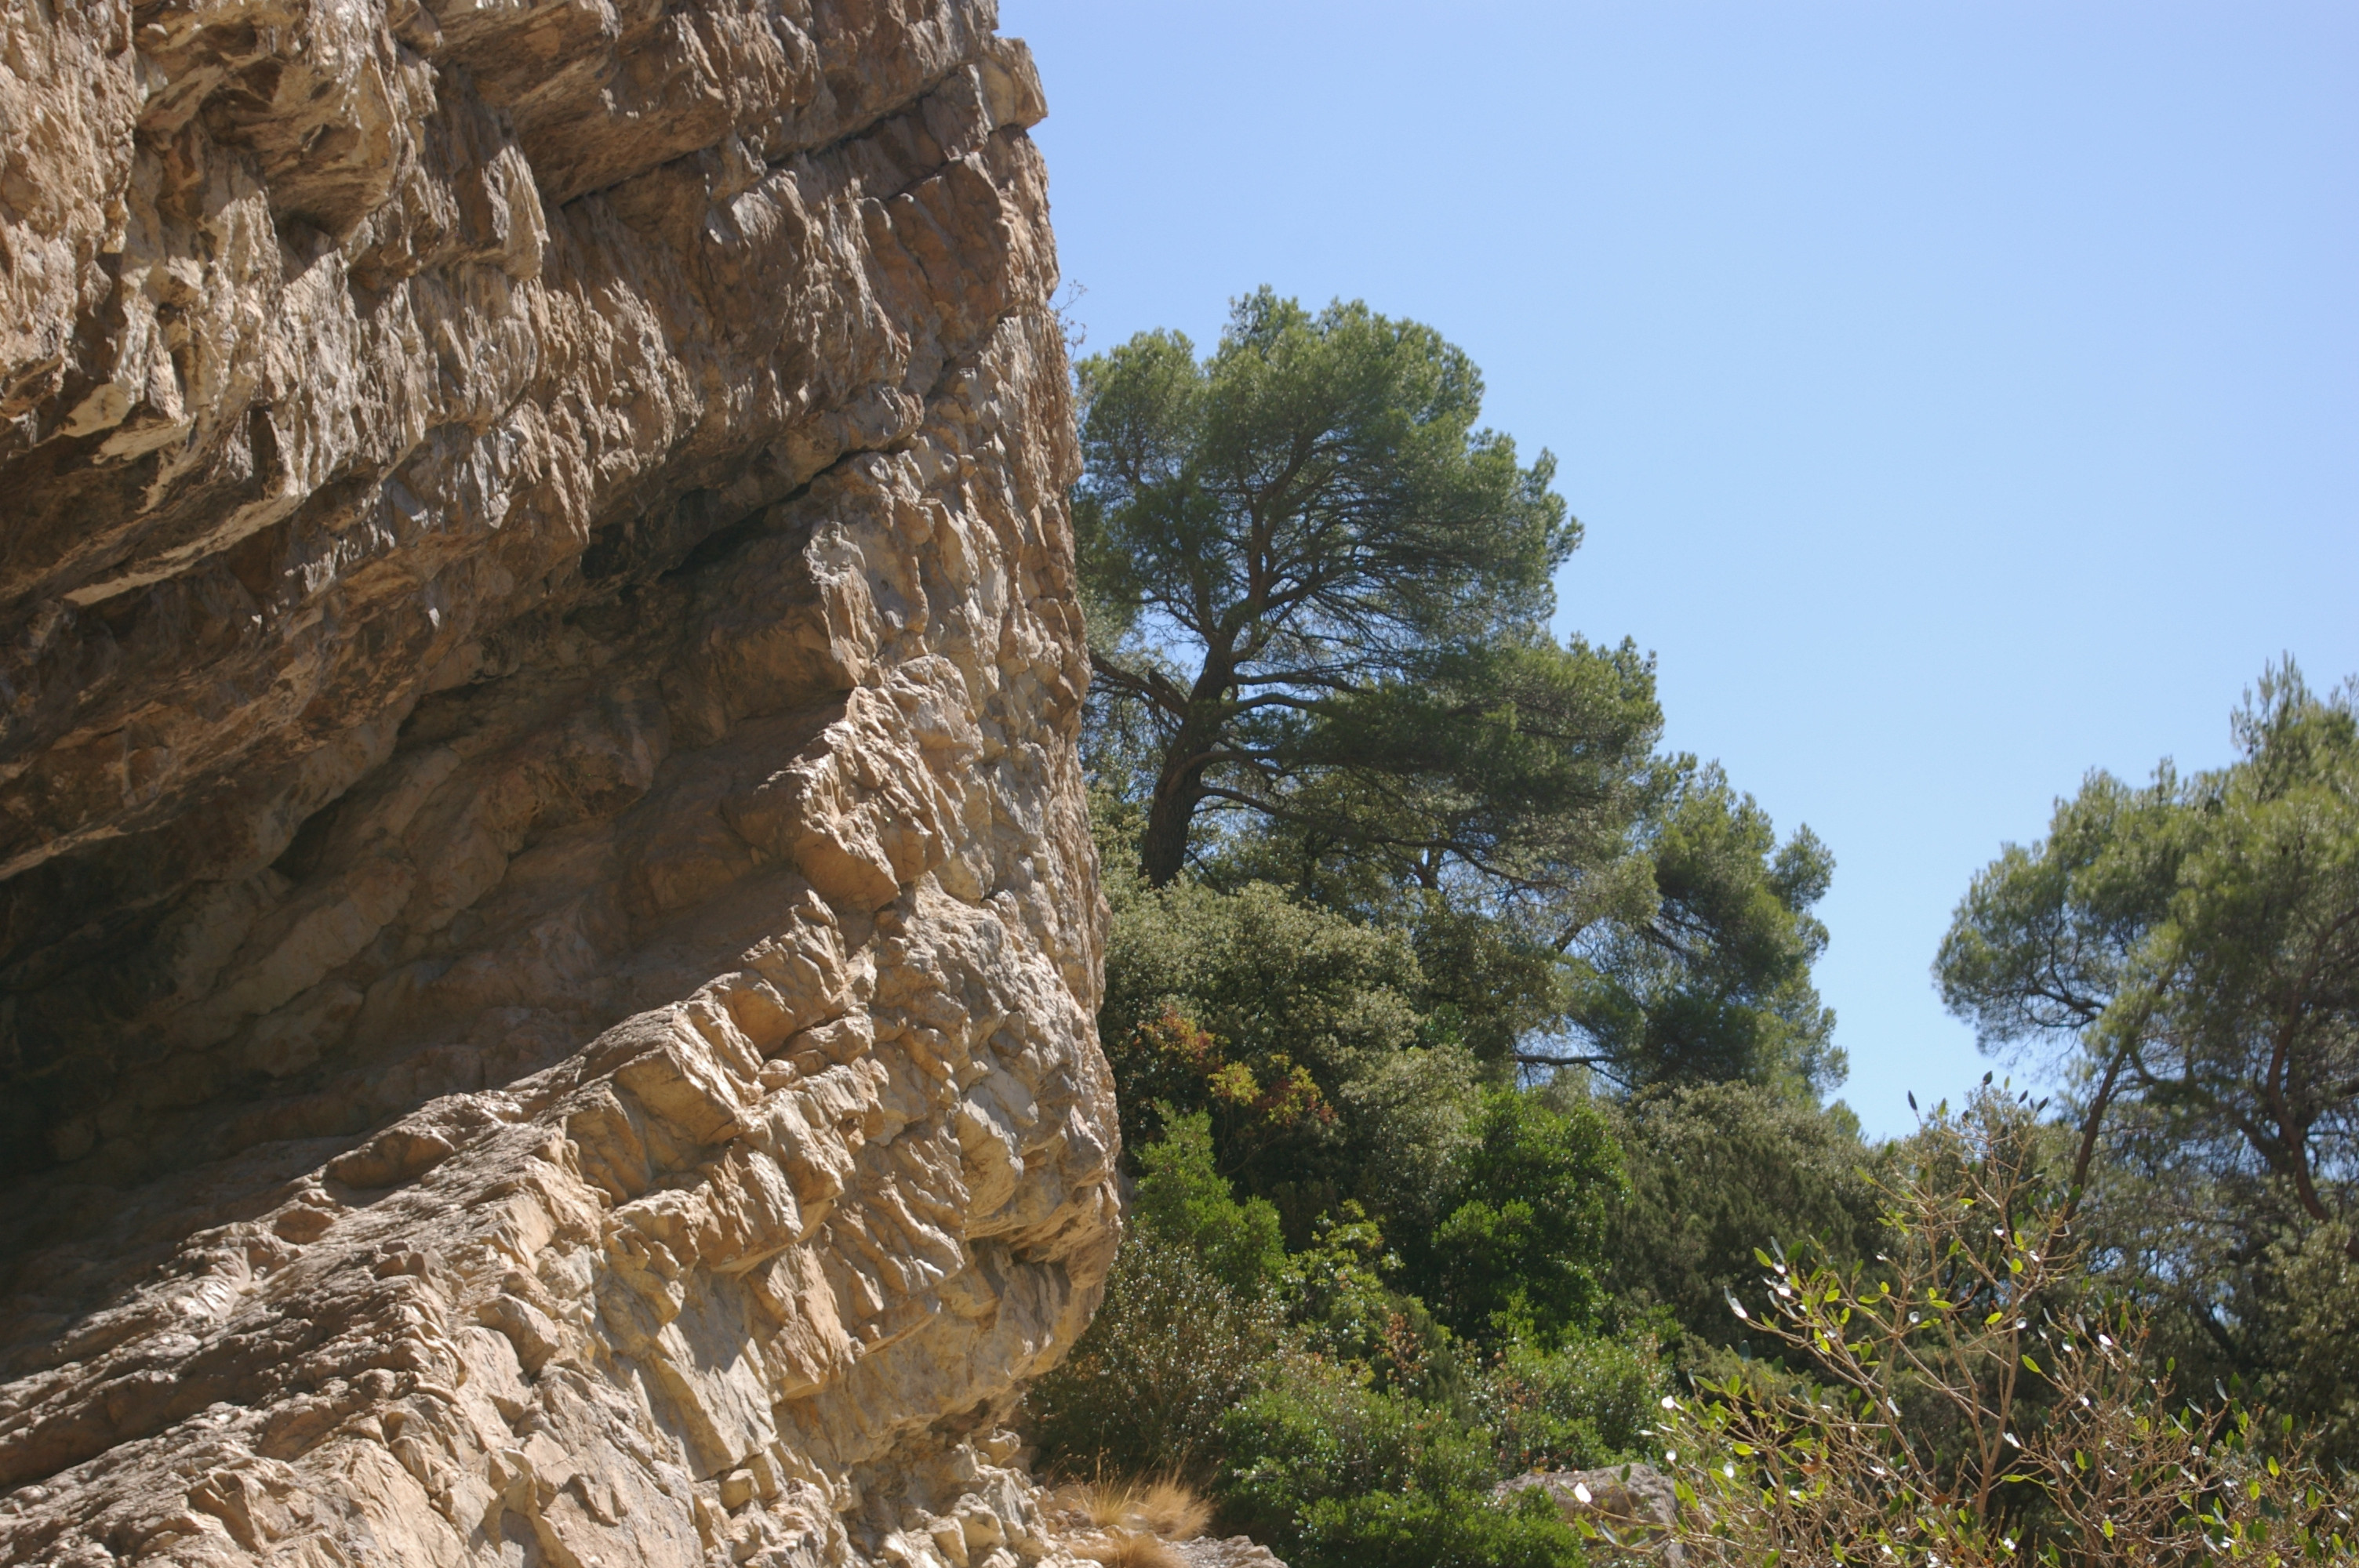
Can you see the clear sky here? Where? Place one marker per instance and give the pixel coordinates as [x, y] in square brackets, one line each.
[1958, 397]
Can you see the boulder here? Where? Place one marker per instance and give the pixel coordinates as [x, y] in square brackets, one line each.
[1633, 1504]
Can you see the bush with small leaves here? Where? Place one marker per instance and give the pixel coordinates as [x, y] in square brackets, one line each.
[1172, 1349]
[1584, 1405]
[1974, 1408]
[1417, 1530]
[1334, 1473]
[1191, 1325]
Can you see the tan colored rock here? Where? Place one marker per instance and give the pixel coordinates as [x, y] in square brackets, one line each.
[1235, 1551]
[1631, 1510]
[547, 934]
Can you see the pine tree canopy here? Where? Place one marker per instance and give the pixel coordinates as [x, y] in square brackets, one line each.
[1321, 590]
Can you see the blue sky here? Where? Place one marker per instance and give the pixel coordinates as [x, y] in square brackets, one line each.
[1958, 397]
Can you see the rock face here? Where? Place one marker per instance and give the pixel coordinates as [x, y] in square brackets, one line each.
[1236, 1552]
[1632, 1510]
[547, 934]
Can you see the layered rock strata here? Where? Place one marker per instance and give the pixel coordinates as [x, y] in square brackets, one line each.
[547, 935]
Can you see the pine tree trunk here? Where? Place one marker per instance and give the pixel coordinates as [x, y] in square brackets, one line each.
[1164, 849]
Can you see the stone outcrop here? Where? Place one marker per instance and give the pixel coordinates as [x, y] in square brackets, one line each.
[1630, 1511]
[547, 934]
[1235, 1551]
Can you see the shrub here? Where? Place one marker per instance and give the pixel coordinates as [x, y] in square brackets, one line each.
[1975, 1409]
[1343, 1311]
[2313, 1369]
[1334, 1473]
[1144, 1392]
[1420, 1530]
[1577, 1408]
[1521, 1252]
[1295, 1029]
[1715, 1170]
[1322, 1429]
[1183, 1201]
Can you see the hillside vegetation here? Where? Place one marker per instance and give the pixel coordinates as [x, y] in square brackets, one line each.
[1473, 1081]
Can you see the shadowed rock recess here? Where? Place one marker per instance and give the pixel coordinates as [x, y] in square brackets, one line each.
[547, 934]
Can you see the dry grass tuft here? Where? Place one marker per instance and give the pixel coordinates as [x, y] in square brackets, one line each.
[1168, 1508]
[1133, 1552]
[1174, 1511]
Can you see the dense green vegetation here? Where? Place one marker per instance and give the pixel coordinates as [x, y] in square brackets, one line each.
[1978, 1396]
[1466, 1042]
[2187, 955]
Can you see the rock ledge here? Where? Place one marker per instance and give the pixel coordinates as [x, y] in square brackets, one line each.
[548, 930]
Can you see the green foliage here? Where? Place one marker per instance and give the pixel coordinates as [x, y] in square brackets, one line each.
[2047, 936]
[1331, 1471]
[1978, 1404]
[1375, 844]
[1714, 982]
[1519, 1252]
[1347, 437]
[2307, 1357]
[1317, 588]
[1419, 1530]
[1274, 1052]
[1505, 776]
[1586, 1404]
[1715, 1170]
[1325, 1409]
[1346, 1312]
[2186, 954]
[1317, 596]
[1272, 987]
[1491, 984]
[1173, 1348]
[2193, 946]
[1324, 1431]
[1182, 1201]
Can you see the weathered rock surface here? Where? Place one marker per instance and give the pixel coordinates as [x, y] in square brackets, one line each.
[1633, 1508]
[1235, 1551]
[547, 935]
[1123, 1546]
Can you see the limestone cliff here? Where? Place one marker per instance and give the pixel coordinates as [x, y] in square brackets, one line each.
[548, 936]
